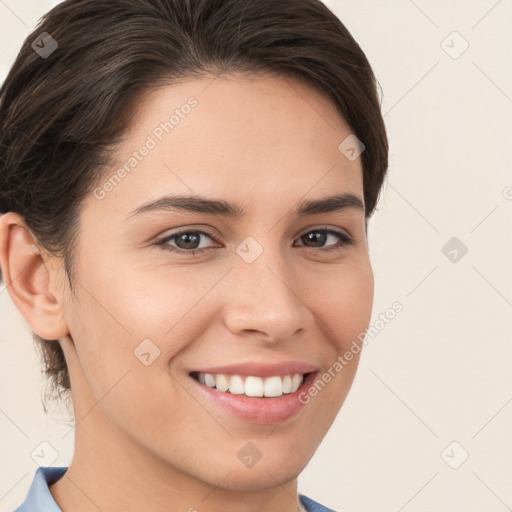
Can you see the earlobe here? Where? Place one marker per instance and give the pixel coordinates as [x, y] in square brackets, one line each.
[27, 278]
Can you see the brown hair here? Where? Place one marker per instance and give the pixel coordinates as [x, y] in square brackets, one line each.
[61, 113]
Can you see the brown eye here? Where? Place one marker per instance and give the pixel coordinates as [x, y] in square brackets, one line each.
[319, 237]
[186, 242]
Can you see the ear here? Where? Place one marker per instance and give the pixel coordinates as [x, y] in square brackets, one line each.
[27, 279]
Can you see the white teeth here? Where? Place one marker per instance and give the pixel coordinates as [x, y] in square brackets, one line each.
[296, 382]
[209, 380]
[287, 384]
[221, 382]
[253, 386]
[273, 386]
[236, 385]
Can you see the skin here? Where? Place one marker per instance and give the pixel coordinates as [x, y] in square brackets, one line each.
[145, 439]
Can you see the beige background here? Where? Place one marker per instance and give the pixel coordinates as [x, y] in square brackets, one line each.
[440, 371]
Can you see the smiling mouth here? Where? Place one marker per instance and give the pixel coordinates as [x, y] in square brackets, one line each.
[251, 385]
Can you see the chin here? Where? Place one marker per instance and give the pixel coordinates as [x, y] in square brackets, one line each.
[258, 479]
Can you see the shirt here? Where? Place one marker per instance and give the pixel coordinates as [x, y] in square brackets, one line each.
[39, 498]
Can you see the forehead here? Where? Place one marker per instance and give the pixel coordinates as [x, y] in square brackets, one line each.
[255, 135]
[228, 93]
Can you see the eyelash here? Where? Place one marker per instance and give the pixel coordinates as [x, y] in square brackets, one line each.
[344, 241]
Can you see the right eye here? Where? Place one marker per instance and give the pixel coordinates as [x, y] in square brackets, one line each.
[188, 239]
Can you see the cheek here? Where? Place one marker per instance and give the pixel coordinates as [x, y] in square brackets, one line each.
[128, 330]
[344, 302]
[159, 299]
[124, 373]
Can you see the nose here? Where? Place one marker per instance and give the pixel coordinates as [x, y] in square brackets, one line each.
[265, 299]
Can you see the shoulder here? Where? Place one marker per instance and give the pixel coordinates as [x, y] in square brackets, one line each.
[313, 506]
[39, 498]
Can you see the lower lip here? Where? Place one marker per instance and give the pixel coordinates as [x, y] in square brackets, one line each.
[260, 410]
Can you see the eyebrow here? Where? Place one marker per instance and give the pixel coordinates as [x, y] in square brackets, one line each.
[199, 204]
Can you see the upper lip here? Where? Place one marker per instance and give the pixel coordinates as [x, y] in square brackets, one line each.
[261, 369]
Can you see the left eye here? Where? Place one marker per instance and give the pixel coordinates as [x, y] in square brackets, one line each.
[187, 241]
[343, 239]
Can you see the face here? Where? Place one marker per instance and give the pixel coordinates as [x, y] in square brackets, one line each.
[163, 292]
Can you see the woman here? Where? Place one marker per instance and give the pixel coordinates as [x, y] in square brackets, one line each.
[185, 188]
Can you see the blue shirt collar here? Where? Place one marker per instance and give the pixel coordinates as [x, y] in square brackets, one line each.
[39, 498]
